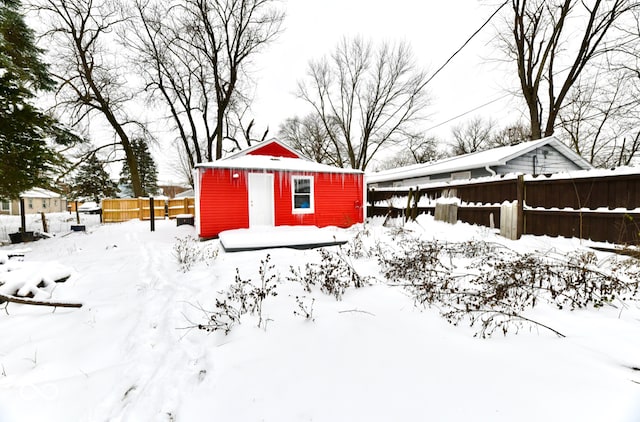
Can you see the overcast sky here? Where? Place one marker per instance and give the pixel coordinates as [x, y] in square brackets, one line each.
[434, 29]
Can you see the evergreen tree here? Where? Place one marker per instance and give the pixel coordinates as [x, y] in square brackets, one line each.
[26, 134]
[93, 182]
[146, 170]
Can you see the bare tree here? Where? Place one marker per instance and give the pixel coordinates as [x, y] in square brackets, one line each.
[239, 130]
[419, 150]
[91, 82]
[311, 137]
[600, 120]
[373, 96]
[552, 42]
[193, 56]
[511, 135]
[472, 136]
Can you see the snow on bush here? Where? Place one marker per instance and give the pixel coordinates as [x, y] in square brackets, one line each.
[491, 286]
[189, 251]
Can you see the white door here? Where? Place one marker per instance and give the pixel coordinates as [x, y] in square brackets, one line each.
[260, 199]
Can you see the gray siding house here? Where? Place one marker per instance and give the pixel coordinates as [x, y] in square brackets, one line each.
[543, 156]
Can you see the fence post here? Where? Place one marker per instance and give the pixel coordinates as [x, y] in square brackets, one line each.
[520, 198]
[407, 213]
[152, 213]
[23, 220]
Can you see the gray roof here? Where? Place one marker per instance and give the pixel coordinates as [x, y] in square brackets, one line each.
[493, 157]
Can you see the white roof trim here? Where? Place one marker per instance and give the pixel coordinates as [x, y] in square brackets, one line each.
[266, 162]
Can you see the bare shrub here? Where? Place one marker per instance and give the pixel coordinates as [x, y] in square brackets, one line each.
[491, 286]
[334, 274]
[189, 251]
[240, 298]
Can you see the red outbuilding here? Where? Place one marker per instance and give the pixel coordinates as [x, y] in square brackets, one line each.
[270, 184]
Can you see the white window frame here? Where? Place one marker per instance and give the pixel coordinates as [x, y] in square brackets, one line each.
[5, 205]
[311, 208]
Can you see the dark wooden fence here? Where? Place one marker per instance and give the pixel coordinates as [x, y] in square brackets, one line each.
[602, 208]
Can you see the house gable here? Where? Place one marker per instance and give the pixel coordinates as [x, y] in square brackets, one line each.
[272, 147]
[545, 159]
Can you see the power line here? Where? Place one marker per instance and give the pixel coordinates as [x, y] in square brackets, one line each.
[469, 111]
[465, 43]
[486, 22]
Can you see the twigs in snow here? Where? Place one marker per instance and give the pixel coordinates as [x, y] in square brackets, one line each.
[491, 286]
[30, 301]
[356, 310]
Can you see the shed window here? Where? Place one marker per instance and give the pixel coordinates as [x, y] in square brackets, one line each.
[302, 191]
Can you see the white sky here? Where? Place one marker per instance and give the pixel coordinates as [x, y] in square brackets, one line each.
[435, 30]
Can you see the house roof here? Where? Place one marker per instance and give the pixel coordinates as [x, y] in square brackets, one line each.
[189, 193]
[39, 193]
[265, 162]
[493, 157]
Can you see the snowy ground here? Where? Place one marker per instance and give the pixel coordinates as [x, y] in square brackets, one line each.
[128, 354]
[58, 223]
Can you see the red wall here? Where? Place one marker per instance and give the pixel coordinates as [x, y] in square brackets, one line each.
[223, 200]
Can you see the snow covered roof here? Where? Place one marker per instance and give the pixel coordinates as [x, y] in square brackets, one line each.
[39, 193]
[493, 157]
[189, 193]
[265, 162]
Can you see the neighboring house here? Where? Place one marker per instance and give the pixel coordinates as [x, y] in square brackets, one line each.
[172, 191]
[189, 193]
[543, 156]
[35, 201]
[271, 184]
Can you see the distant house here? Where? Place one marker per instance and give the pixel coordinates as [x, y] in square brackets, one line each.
[172, 191]
[543, 156]
[35, 201]
[189, 193]
[271, 184]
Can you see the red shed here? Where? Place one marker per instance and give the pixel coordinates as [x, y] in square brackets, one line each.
[270, 184]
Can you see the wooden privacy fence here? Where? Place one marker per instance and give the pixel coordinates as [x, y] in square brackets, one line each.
[125, 209]
[603, 207]
[176, 207]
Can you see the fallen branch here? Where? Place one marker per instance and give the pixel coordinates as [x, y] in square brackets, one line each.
[356, 310]
[29, 301]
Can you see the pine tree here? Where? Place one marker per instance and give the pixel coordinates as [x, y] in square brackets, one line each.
[93, 182]
[146, 170]
[28, 159]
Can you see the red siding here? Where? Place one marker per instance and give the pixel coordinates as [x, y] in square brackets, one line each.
[338, 200]
[223, 201]
[275, 150]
